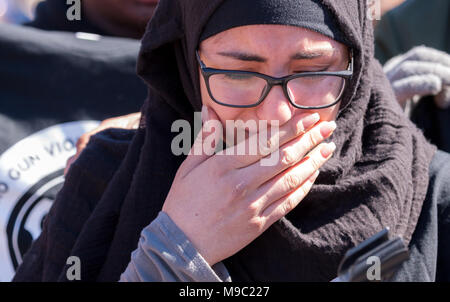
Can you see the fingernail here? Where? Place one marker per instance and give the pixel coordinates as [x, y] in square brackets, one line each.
[328, 149]
[205, 114]
[327, 128]
[310, 120]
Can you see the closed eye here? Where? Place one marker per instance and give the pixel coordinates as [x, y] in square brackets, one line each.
[301, 71]
[237, 76]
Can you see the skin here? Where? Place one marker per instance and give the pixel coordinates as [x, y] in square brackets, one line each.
[387, 5]
[222, 203]
[130, 121]
[123, 18]
[276, 44]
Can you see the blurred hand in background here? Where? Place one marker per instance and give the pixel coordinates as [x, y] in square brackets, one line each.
[17, 11]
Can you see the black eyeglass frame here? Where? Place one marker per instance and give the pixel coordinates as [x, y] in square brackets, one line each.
[207, 72]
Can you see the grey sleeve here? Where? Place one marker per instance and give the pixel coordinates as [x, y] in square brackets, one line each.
[164, 253]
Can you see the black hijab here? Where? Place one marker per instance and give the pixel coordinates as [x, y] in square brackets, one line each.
[377, 178]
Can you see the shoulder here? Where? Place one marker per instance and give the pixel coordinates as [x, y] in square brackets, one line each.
[430, 245]
[439, 186]
[100, 160]
[439, 196]
[84, 186]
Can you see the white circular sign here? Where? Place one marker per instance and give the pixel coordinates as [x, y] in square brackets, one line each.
[31, 174]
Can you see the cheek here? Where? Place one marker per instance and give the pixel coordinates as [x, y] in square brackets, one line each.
[329, 114]
[227, 113]
[224, 113]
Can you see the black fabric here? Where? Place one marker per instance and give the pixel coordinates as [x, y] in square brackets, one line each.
[378, 176]
[48, 78]
[433, 121]
[52, 15]
[311, 14]
[430, 245]
[53, 88]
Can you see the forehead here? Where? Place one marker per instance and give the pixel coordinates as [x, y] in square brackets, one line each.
[270, 39]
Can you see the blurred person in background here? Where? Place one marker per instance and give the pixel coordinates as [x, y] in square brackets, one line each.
[413, 41]
[56, 85]
[121, 18]
[387, 5]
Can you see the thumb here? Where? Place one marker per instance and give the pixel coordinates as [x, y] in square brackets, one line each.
[206, 141]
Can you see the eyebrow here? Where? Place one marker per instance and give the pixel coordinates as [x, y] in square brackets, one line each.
[242, 56]
[248, 57]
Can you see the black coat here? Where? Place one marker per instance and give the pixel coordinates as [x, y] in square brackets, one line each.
[428, 261]
[53, 88]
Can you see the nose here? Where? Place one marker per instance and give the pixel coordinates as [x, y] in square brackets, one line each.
[276, 107]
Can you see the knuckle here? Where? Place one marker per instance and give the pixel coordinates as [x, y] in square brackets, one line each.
[313, 140]
[287, 157]
[253, 209]
[256, 224]
[288, 205]
[292, 181]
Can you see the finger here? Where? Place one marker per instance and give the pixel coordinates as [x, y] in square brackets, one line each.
[292, 179]
[286, 204]
[69, 162]
[390, 65]
[428, 54]
[412, 68]
[288, 155]
[205, 143]
[422, 85]
[267, 141]
[83, 141]
[133, 120]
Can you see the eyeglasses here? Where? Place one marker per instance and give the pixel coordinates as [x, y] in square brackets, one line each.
[305, 90]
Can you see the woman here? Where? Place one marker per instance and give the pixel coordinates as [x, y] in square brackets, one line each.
[213, 217]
